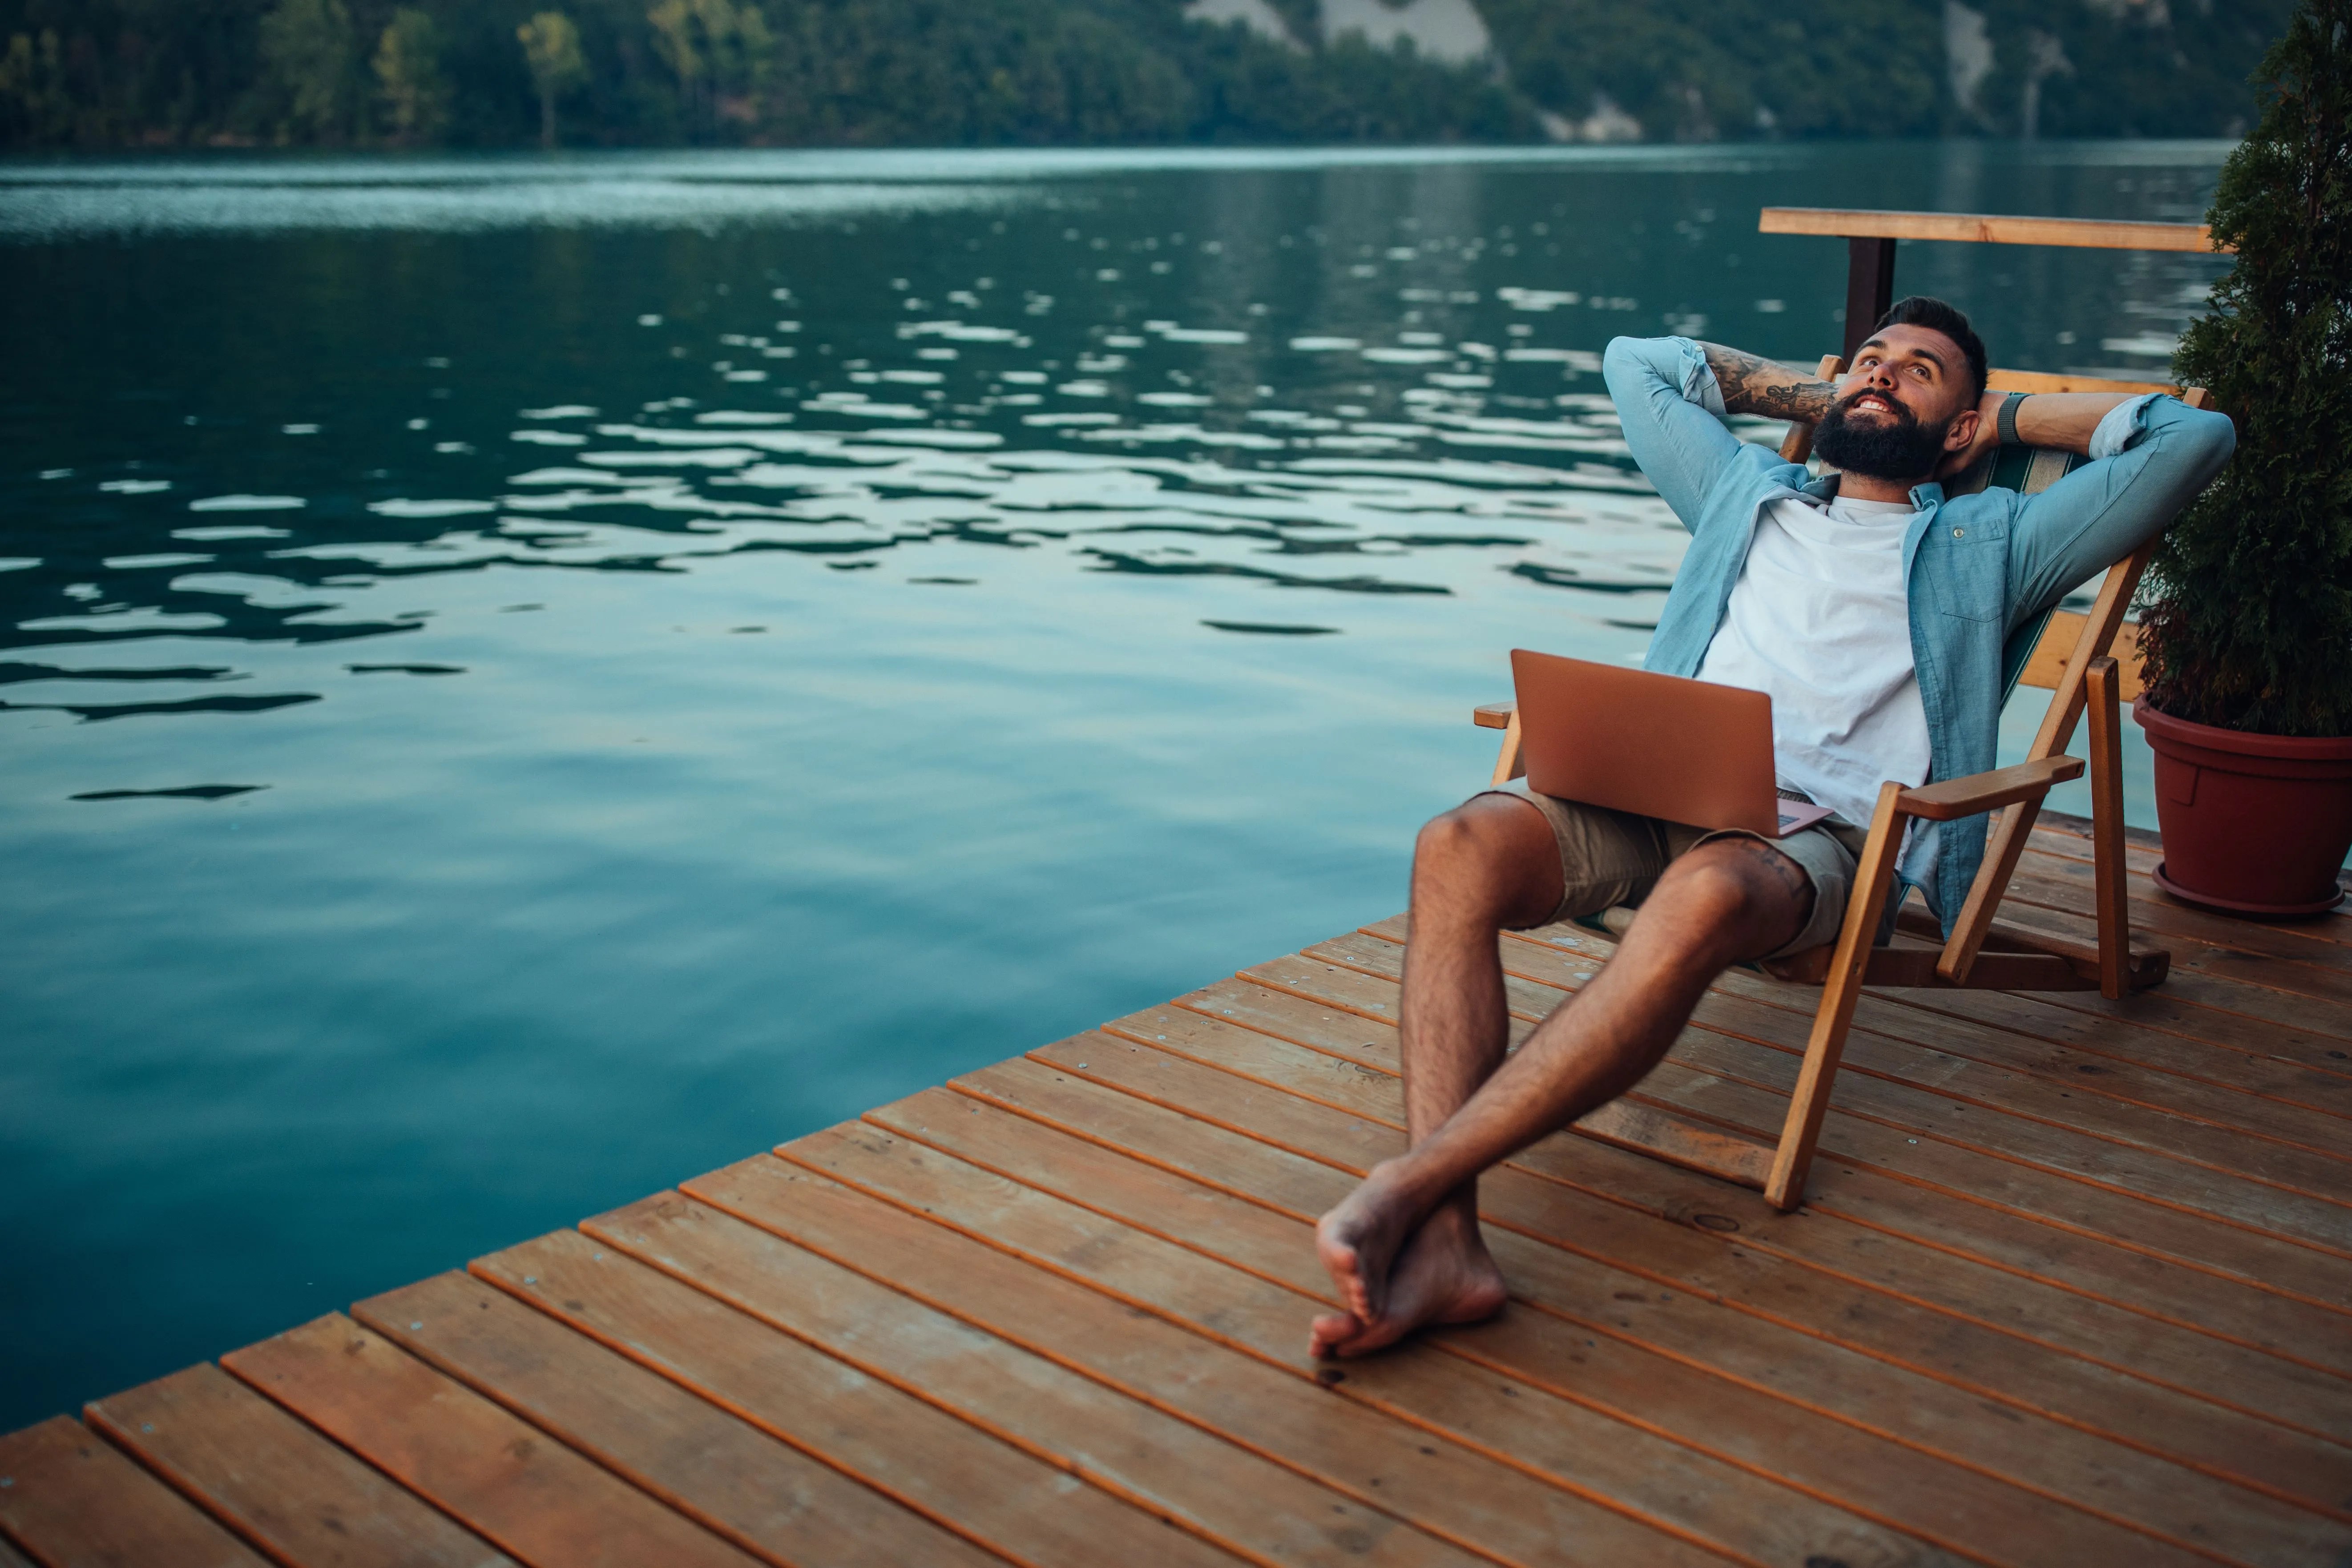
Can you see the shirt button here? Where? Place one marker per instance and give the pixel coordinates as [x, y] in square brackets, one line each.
[1960, 534]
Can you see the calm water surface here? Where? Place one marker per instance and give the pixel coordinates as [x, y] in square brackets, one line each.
[531, 679]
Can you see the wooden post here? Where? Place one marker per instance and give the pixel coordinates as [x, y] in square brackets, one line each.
[1508, 763]
[2107, 832]
[1869, 288]
[1785, 1188]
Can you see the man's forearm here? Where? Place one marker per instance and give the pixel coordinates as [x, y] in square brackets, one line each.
[1760, 386]
[2063, 421]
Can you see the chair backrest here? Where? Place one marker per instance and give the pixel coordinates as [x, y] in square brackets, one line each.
[2057, 653]
[2067, 640]
[2064, 645]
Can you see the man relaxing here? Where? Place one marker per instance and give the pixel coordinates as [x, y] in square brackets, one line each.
[1874, 610]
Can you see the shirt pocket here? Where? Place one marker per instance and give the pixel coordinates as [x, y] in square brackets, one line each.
[1967, 568]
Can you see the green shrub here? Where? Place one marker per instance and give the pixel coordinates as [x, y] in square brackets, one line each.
[2251, 626]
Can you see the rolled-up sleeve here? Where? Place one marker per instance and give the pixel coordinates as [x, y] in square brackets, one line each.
[1672, 413]
[2152, 455]
[2121, 426]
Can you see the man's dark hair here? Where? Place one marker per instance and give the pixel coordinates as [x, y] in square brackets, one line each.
[1920, 311]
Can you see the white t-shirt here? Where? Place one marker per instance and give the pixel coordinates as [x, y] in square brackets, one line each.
[1820, 621]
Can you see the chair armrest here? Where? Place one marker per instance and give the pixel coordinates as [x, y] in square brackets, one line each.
[1494, 715]
[1956, 798]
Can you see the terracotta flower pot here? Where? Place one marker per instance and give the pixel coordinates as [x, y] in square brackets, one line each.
[2252, 824]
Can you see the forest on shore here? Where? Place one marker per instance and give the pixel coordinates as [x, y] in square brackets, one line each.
[499, 73]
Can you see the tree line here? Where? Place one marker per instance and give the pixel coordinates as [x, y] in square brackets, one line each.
[490, 73]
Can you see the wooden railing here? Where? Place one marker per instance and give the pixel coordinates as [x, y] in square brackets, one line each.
[1870, 238]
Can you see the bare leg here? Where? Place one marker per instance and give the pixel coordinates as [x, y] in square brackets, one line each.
[1404, 1247]
[1490, 863]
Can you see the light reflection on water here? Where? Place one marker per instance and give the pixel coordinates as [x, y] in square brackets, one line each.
[529, 682]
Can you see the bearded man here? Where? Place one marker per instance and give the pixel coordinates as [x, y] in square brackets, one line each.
[1874, 610]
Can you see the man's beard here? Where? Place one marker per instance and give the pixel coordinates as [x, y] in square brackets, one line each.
[1899, 447]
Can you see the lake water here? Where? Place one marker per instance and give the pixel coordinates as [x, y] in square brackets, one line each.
[529, 679]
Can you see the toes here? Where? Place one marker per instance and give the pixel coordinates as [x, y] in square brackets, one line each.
[1376, 1335]
[1346, 1266]
[1345, 1335]
[1332, 1330]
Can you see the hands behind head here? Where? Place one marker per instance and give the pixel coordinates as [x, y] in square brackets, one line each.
[1960, 459]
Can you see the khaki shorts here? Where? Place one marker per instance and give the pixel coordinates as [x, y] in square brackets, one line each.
[1608, 858]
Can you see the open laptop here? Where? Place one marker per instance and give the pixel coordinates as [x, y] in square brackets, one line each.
[1686, 750]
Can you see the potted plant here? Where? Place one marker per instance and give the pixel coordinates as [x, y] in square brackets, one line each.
[2248, 636]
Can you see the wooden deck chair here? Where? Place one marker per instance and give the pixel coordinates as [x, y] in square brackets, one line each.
[2072, 655]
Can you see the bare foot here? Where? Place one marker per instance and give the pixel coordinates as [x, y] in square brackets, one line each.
[1359, 1240]
[1444, 1275]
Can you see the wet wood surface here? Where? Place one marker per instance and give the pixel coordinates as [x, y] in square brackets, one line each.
[2073, 1284]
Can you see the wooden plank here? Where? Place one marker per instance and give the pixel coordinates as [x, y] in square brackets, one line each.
[991, 1490]
[277, 1482]
[2188, 1002]
[1433, 1498]
[2051, 1148]
[2032, 381]
[2226, 1013]
[2088, 1470]
[2048, 663]
[1824, 1457]
[2110, 1060]
[2322, 991]
[2115, 1107]
[1214, 1487]
[1631, 1125]
[1988, 229]
[71, 1499]
[2119, 1099]
[1697, 1258]
[2150, 1154]
[2259, 1384]
[1517, 1421]
[2182, 1234]
[1825, 1043]
[2016, 1368]
[2065, 837]
[530, 1495]
[1448, 1421]
[2313, 1098]
[2021, 1254]
[2060, 835]
[2054, 884]
[1952, 799]
[765, 1496]
[2055, 1197]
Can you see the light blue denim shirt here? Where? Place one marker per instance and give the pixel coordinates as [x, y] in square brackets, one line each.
[1983, 571]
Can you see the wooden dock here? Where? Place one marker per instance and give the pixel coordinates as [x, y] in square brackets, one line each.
[2074, 1287]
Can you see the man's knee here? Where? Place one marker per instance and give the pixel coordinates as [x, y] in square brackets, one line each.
[1473, 835]
[1483, 852]
[1739, 885]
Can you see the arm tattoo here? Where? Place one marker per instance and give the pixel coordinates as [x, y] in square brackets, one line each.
[1754, 385]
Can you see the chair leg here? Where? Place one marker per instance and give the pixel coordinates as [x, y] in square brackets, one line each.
[2107, 831]
[1508, 765]
[1785, 1188]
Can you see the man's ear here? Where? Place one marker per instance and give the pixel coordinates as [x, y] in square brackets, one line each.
[1963, 430]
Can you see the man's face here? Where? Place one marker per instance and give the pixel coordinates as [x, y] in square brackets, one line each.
[1896, 410]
